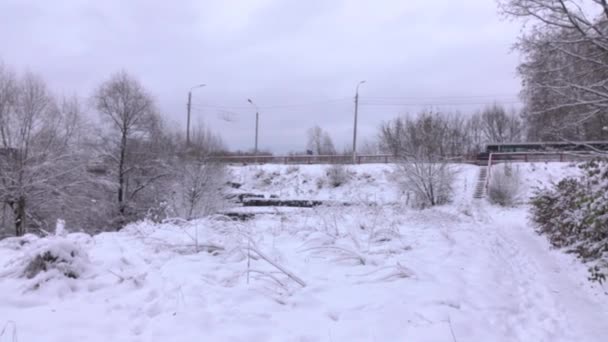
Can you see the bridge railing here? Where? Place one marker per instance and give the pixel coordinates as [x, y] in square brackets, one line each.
[307, 159]
[565, 156]
[493, 158]
[530, 157]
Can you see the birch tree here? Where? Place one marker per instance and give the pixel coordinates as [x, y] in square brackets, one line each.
[37, 156]
[565, 68]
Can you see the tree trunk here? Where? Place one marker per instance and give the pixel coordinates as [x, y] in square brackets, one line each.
[19, 211]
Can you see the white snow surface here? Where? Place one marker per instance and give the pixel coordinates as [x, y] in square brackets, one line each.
[367, 183]
[374, 271]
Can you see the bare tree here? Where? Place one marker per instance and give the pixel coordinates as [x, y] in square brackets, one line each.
[498, 126]
[457, 139]
[425, 145]
[370, 146]
[392, 136]
[38, 161]
[320, 142]
[475, 133]
[565, 67]
[450, 134]
[204, 142]
[134, 127]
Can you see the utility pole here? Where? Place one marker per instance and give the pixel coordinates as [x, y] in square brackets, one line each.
[189, 108]
[257, 123]
[188, 120]
[355, 126]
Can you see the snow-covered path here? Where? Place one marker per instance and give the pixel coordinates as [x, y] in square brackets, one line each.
[554, 293]
[513, 287]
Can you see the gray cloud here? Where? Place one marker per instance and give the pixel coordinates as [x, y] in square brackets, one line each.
[298, 60]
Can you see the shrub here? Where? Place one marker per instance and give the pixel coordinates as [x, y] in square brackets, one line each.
[320, 183]
[430, 182]
[292, 169]
[505, 185]
[574, 215]
[200, 190]
[55, 257]
[337, 175]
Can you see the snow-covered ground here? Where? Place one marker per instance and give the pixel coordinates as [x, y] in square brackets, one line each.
[375, 183]
[373, 271]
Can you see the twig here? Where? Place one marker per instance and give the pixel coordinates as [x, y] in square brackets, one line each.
[5, 330]
[279, 267]
[452, 329]
[120, 278]
[349, 254]
[248, 258]
[174, 220]
[270, 276]
[400, 273]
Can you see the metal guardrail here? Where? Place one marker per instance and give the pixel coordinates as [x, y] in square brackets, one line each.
[307, 159]
[502, 157]
[531, 157]
[493, 158]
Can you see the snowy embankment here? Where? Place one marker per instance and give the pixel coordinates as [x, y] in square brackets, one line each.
[372, 272]
[368, 183]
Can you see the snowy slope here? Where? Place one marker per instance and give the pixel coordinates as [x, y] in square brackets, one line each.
[466, 272]
[534, 175]
[376, 183]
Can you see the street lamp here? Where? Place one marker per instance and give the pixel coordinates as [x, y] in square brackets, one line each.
[355, 128]
[189, 107]
[257, 121]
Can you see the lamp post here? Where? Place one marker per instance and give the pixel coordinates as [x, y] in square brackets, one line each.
[355, 126]
[257, 122]
[189, 109]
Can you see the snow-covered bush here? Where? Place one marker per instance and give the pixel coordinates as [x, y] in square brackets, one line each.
[54, 257]
[505, 185]
[430, 182]
[320, 182]
[354, 234]
[574, 214]
[337, 175]
[201, 189]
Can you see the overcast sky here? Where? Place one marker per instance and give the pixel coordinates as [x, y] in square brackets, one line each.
[299, 61]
